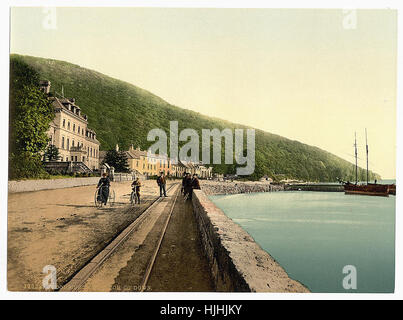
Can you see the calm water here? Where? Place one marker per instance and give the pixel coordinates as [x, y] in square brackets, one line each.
[313, 235]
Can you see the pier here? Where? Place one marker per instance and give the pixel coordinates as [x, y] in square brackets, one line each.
[314, 187]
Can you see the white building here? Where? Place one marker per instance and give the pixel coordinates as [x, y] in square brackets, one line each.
[69, 132]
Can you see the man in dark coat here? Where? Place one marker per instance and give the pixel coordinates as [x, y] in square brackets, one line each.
[195, 182]
[161, 181]
[187, 186]
[103, 185]
[136, 185]
[183, 183]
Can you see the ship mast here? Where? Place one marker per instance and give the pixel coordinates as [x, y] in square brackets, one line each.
[366, 143]
[356, 164]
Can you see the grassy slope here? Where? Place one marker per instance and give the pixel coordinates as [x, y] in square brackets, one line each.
[123, 113]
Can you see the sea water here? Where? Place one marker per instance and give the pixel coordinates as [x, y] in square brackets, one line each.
[314, 235]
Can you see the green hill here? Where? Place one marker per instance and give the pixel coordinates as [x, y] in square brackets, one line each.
[123, 113]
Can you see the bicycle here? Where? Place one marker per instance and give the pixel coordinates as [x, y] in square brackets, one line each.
[99, 200]
[133, 198]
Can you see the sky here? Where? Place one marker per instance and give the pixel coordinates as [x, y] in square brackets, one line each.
[316, 76]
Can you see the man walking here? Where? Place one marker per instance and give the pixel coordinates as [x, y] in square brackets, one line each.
[136, 185]
[161, 181]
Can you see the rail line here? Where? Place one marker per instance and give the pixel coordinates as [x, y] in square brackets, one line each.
[80, 277]
[157, 249]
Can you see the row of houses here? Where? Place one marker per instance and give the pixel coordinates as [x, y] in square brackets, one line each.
[79, 148]
[150, 164]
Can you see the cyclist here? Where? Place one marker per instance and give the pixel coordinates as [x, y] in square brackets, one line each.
[136, 185]
[103, 185]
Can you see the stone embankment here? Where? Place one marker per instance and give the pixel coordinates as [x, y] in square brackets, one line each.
[237, 262]
[235, 187]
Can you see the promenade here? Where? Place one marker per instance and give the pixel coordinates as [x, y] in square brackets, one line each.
[62, 227]
[164, 244]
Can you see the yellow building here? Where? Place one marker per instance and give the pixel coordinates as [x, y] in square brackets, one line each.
[148, 164]
[69, 132]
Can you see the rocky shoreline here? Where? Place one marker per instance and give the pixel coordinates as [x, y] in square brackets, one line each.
[236, 187]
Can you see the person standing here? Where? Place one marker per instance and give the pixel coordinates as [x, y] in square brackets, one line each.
[183, 183]
[187, 186]
[136, 185]
[195, 182]
[161, 181]
[104, 184]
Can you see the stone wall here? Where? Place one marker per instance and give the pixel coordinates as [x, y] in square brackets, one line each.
[227, 187]
[36, 185]
[237, 262]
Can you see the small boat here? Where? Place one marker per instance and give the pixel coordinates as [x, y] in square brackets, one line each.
[369, 189]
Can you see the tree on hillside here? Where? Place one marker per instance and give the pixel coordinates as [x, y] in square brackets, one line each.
[51, 153]
[118, 160]
[30, 115]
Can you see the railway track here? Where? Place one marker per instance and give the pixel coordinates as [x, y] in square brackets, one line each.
[151, 263]
[79, 278]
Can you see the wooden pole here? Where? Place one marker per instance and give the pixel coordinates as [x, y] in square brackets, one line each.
[356, 163]
[366, 143]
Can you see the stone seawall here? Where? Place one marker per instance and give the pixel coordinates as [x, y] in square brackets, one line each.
[237, 262]
[215, 187]
[36, 185]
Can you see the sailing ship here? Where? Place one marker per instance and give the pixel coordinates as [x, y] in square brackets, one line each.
[369, 189]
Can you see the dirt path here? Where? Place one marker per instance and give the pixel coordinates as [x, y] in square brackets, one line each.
[63, 228]
[180, 265]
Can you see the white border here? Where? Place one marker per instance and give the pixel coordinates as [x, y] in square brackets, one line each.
[4, 30]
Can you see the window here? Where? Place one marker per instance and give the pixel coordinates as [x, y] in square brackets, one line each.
[62, 142]
[68, 125]
[64, 123]
[74, 127]
[72, 143]
[78, 130]
[68, 144]
[72, 158]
